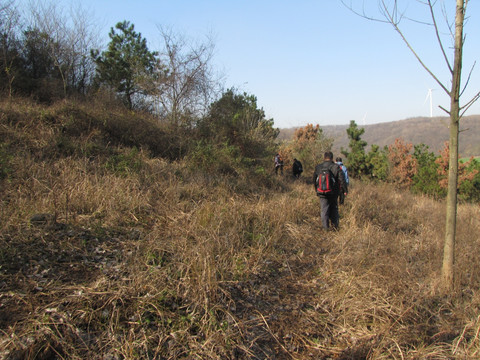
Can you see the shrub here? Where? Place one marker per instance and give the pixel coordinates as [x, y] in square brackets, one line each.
[426, 180]
[308, 145]
[467, 174]
[469, 189]
[378, 165]
[125, 163]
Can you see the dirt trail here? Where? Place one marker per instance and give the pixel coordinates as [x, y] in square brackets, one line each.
[278, 311]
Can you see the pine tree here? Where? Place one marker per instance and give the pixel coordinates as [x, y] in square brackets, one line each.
[356, 158]
[127, 66]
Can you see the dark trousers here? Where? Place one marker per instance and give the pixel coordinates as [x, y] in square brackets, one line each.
[329, 213]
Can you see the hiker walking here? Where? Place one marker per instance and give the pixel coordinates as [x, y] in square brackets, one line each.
[297, 168]
[341, 195]
[278, 164]
[329, 181]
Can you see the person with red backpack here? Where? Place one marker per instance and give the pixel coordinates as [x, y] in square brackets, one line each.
[329, 181]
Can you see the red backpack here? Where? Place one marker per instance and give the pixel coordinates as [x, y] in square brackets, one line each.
[325, 182]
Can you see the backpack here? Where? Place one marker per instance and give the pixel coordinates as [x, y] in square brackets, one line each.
[325, 182]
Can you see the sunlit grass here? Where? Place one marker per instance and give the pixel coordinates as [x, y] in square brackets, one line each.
[146, 261]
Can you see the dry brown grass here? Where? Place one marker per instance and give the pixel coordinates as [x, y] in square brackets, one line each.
[146, 261]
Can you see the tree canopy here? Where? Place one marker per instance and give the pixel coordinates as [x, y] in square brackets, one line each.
[127, 63]
[236, 119]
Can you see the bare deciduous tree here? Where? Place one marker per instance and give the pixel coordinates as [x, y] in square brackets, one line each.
[82, 37]
[72, 37]
[9, 28]
[188, 84]
[47, 19]
[393, 15]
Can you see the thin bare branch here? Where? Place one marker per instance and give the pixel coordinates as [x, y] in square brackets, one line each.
[440, 43]
[392, 21]
[450, 25]
[394, 18]
[465, 107]
[468, 79]
[441, 107]
[418, 21]
[362, 14]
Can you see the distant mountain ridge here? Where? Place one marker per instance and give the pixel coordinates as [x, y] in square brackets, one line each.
[429, 131]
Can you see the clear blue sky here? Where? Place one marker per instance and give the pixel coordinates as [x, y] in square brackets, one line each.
[309, 61]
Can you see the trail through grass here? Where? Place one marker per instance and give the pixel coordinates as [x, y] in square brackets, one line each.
[138, 259]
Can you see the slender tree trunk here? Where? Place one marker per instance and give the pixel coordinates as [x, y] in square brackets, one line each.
[451, 216]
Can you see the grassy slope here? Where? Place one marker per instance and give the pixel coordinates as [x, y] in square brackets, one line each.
[142, 262]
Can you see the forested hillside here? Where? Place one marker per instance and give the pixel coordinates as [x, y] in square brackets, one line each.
[429, 131]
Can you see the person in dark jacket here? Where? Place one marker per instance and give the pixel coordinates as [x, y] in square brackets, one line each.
[297, 168]
[341, 195]
[329, 202]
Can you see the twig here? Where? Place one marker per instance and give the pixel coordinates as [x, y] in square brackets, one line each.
[476, 334]
[460, 340]
[399, 349]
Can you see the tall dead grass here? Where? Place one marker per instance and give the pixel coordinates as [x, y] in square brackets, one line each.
[383, 273]
[153, 262]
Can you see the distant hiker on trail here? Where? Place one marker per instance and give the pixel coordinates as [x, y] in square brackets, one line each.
[329, 181]
[341, 195]
[297, 168]
[278, 164]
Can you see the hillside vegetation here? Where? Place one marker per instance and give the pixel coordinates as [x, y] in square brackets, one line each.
[116, 246]
[429, 131]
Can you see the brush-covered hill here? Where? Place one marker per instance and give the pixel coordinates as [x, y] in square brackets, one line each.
[430, 131]
[113, 246]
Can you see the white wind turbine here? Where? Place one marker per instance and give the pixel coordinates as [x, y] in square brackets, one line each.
[429, 95]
